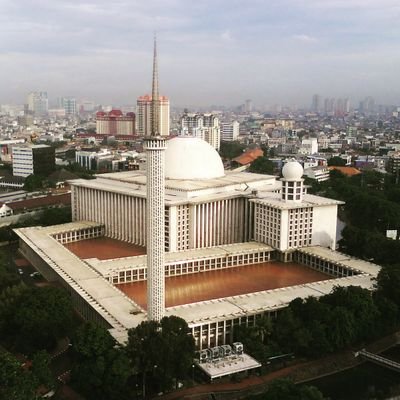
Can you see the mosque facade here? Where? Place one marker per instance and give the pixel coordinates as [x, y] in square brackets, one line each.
[206, 206]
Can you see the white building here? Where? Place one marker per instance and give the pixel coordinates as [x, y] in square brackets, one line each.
[213, 220]
[309, 146]
[204, 206]
[144, 115]
[32, 159]
[202, 126]
[230, 131]
[318, 173]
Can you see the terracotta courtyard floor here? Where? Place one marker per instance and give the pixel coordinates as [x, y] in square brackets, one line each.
[104, 248]
[203, 286]
[209, 285]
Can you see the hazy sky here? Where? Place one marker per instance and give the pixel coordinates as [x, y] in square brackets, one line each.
[210, 51]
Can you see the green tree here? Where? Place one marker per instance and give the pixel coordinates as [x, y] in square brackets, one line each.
[336, 161]
[15, 382]
[388, 283]
[144, 349]
[42, 315]
[285, 389]
[262, 165]
[179, 347]
[55, 216]
[162, 352]
[230, 150]
[102, 369]
[33, 182]
[359, 303]
[41, 370]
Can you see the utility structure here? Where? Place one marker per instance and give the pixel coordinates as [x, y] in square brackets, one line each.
[155, 146]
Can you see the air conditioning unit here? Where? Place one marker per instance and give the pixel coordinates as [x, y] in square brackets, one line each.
[237, 348]
[227, 350]
[203, 356]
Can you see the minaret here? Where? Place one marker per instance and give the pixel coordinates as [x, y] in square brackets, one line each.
[155, 146]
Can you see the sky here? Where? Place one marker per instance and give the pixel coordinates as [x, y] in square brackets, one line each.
[211, 52]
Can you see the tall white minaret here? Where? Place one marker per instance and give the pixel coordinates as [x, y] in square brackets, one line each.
[155, 146]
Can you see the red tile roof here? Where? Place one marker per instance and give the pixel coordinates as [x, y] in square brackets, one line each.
[249, 156]
[52, 200]
[348, 171]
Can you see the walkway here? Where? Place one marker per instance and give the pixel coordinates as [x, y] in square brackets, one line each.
[385, 362]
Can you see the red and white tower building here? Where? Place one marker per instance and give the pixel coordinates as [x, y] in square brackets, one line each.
[115, 123]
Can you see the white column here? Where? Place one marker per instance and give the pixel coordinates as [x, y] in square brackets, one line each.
[155, 227]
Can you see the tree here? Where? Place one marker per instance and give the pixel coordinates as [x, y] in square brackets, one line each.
[33, 182]
[42, 315]
[262, 165]
[336, 161]
[102, 369]
[55, 216]
[41, 370]
[15, 382]
[388, 283]
[285, 389]
[179, 346]
[230, 150]
[162, 352]
[359, 303]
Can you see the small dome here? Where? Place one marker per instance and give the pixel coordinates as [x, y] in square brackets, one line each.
[192, 158]
[292, 171]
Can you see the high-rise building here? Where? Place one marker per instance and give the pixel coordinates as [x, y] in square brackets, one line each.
[115, 123]
[38, 103]
[316, 103]
[203, 126]
[230, 131]
[68, 104]
[248, 105]
[37, 159]
[145, 115]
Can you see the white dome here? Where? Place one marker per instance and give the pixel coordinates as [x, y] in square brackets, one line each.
[292, 171]
[192, 158]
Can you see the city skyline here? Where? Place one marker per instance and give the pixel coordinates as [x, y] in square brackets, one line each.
[213, 53]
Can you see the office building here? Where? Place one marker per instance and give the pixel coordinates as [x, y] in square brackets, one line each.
[230, 131]
[33, 159]
[115, 123]
[145, 115]
[203, 126]
[38, 103]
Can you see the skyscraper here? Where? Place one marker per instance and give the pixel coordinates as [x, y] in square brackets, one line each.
[144, 115]
[68, 104]
[38, 103]
[203, 126]
[153, 113]
[155, 145]
[316, 103]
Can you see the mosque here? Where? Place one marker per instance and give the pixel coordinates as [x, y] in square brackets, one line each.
[224, 248]
[215, 220]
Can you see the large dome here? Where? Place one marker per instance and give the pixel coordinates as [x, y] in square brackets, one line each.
[192, 158]
[292, 171]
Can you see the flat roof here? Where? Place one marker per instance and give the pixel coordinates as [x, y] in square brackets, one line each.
[104, 267]
[228, 365]
[232, 184]
[341, 259]
[122, 313]
[309, 200]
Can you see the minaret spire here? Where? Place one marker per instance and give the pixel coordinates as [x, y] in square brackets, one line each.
[155, 146]
[155, 96]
